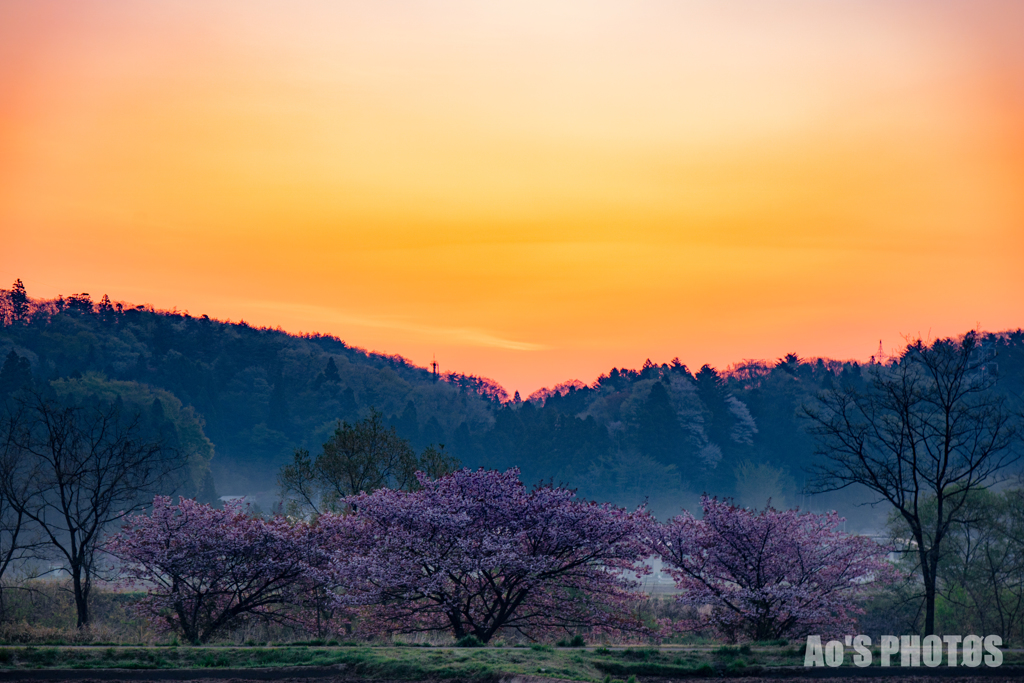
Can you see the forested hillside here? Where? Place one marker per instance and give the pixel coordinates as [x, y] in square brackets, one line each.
[661, 432]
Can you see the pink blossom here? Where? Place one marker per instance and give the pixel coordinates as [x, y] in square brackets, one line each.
[205, 569]
[771, 574]
[476, 553]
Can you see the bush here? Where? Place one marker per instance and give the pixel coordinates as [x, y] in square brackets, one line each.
[575, 641]
[469, 641]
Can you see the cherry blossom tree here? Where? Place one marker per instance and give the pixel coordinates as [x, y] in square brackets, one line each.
[475, 553]
[205, 569]
[769, 575]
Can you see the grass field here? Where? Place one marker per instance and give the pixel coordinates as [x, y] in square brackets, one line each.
[417, 663]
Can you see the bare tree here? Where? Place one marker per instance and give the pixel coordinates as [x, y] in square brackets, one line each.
[16, 543]
[981, 573]
[924, 431]
[73, 470]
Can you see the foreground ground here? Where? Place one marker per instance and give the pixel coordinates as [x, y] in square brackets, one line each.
[111, 676]
[492, 664]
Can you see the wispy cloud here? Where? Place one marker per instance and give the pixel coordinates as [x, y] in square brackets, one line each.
[469, 336]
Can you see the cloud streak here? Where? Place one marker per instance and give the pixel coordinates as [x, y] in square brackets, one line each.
[462, 336]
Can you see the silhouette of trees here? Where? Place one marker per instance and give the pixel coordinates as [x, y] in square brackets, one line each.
[73, 470]
[19, 302]
[263, 393]
[926, 430]
[980, 574]
[657, 433]
[16, 373]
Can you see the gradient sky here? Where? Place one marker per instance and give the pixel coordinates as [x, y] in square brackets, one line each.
[532, 191]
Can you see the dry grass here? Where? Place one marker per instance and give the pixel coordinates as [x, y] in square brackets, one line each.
[42, 612]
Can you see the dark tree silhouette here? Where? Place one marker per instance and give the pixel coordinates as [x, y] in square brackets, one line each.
[73, 471]
[408, 423]
[105, 310]
[19, 302]
[924, 431]
[15, 540]
[331, 371]
[16, 373]
[657, 431]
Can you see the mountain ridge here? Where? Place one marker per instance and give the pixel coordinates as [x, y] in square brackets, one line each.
[660, 433]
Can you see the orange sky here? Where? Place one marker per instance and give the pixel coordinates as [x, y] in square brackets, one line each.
[531, 190]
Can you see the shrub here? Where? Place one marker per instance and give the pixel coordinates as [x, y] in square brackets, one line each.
[469, 641]
[576, 641]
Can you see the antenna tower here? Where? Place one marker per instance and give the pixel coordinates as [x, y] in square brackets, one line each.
[881, 353]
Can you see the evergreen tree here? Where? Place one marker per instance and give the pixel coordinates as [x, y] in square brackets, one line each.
[408, 424]
[105, 310]
[347, 406]
[15, 374]
[656, 432]
[19, 302]
[331, 371]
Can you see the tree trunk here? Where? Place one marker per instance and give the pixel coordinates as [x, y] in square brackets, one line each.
[186, 620]
[81, 588]
[928, 570]
[456, 621]
[929, 607]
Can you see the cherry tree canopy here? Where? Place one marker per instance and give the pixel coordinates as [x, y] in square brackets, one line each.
[771, 574]
[205, 568]
[475, 553]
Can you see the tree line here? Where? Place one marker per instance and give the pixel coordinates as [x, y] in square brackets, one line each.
[661, 432]
[932, 433]
[477, 554]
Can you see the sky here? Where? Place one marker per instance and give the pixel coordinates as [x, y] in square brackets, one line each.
[531, 191]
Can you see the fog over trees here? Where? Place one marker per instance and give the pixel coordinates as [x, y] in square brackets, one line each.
[664, 433]
[105, 404]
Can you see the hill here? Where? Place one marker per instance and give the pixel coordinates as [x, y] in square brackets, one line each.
[661, 432]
